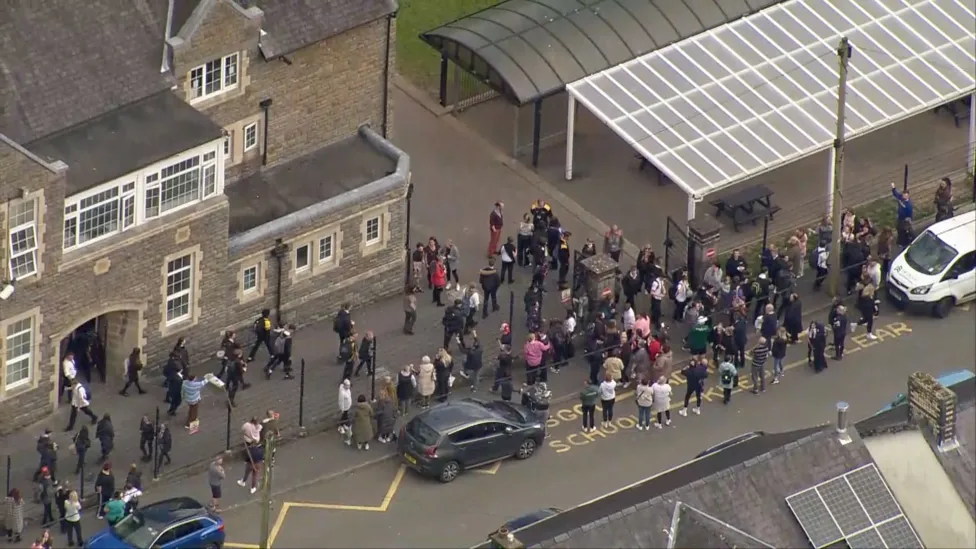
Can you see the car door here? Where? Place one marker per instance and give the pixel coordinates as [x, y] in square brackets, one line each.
[960, 279]
[185, 535]
[477, 444]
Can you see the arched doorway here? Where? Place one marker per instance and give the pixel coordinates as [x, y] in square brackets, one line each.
[101, 344]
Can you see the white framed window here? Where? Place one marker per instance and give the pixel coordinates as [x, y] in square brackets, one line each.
[228, 146]
[19, 368]
[302, 257]
[250, 137]
[180, 184]
[249, 278]
[179, 289]
[327, 248]
[214, 77]
[22, 220]
[373, 226]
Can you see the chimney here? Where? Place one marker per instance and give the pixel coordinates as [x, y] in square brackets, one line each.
[842, 435]
[932, 404]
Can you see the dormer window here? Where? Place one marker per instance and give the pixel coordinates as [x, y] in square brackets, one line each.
[213, 78]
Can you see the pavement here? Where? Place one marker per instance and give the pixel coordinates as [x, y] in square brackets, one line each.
[325, 496]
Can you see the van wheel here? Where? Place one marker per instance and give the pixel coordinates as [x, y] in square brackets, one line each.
[526, 449]
[449, 471]
[943, 307]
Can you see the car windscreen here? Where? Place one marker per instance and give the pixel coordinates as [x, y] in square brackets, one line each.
[422, 432]
[505, 411]
[136, 531]
[929, 254]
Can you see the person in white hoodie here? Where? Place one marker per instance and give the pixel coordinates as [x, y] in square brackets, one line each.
[629, 317]
[682, 296]
[608, 396]
[345, 404]
[79, 402]
[661, 392]
[69, 371]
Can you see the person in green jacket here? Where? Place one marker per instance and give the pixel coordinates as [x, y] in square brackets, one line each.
[727, 378]
[114, 509]
[589, 396]
[698, 337]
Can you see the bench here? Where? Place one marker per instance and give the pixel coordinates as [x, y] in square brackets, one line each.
[746, 206]
[960, 110]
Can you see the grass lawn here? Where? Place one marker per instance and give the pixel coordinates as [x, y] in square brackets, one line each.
[416, 60]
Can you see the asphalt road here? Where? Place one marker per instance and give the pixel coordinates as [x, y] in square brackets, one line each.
[384, 505]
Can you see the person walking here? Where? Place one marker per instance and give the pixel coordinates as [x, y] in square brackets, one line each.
[215, 478]
[661, 405]
[727, 378]
[164, 445]
[645, 399]
[760, 353]
[342, 325]
[473, 361]
[793, 319]
[81, 443]
[147, 434]
[13, 516]
[105, 433]
[453, 322]
[589, 396]
[696, 373]
[79, 403]
[817, 347]
[362, 423]
[262, 333]
[451, 257]
[409, 309]
[866, 306]
[104, 487]
[778, 350]
[72, 516]
[345, 404]
[496, 221]
[366, 357]
[254, 454]
[45, 491]
[69, 372]
[133, 365]
[438, 281]
[608, 396]
[282, 353]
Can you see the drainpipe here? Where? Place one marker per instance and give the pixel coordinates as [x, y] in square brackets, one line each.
[386, 73]
[406, 243]
[265, 106]
[279, 252]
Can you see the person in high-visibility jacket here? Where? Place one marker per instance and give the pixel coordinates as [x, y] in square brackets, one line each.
[563, 256]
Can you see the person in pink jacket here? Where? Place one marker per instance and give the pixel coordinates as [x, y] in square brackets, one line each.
[533, 352]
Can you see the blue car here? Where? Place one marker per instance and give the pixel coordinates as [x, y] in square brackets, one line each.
[178, 523]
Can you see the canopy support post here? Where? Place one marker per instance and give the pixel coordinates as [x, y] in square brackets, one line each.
[691, 207]
[536, 132]
[971, 167]
[570, 129]
[515, 132]
[443, 81]
[832, 158]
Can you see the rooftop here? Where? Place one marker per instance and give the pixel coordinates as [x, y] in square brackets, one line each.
[294, 24]
[126, 139]
[326, 173]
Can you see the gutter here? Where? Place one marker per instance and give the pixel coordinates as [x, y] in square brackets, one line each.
[386, 76]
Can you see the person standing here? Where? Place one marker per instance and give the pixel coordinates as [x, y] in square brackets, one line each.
[104, 487]
[438, 280]
[658, 292]
[509, 255]
[470, 303]
[661, 405]
[409, 309]
[81, 442]
[164, 445]
[405, 386]
[696, 373]
[254, 454]
[72, 516]
[342, 325]
[79, 402]
[348, 352]
[727, 376]
[817, 347]
[384, 410]
[366, 357]
[840, 325]
[645, 398]
[778, 350]
[473, 361]
[608, 397]
[533, 352]
[133, 365]
[174, 388]
[262, 334]
[13, 516]
[905, 208]
[589, 396]
[760, 353]
[114, 509]
[192, 393]
[426, 381]
[236, 367]
[865, 306]
[345, 404]
[490, 282]
[496, 220]
[819, 261]
[362, 423]
[613, 242]
[451, 257]
[69, 372]
[215, 478]
[45, 492]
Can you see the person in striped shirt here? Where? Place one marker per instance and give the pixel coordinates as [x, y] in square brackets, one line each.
[759, 355]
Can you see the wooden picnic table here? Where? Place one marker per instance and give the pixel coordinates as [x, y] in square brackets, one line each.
[747, 205]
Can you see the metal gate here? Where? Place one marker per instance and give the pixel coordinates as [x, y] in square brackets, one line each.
[676, 248]
[466, 90]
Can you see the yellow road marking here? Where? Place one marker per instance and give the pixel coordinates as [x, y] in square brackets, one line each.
[394, 487]
[277, 525]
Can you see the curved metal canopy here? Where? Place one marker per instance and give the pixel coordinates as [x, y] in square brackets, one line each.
[529, 49]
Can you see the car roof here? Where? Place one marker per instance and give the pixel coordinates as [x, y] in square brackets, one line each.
[957, 231]
[173, 509]
[456, 413]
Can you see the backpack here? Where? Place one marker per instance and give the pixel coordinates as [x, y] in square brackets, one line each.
[812, 257]
[727, 377]
[345, 350]
[279, 345]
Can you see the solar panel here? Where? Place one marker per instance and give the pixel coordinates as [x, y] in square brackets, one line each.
[810, 510]
[856, 507]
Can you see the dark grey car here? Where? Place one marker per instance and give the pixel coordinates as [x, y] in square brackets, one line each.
[467, 433]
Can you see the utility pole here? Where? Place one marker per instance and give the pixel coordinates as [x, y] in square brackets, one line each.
[269, 449]
[844, 51]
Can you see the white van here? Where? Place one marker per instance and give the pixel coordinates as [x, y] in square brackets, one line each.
[938, 270]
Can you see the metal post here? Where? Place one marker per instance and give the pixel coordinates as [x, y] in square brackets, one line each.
[765, 239]
[269, 447]
[691, 207]
[971, 165]
[570, 129]
[9, 465]
[832, 160]
[457, 87]
[227, 434]
[372, 371]
[443, 83]
[279, 252]
[844, 51]
[667, 246]
[904, 186]
[81, 483]
[406, 241]
[155, 468]
[536, 132]
[301, 397]
[516, 133]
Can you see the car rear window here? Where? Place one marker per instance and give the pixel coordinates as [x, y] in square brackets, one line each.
[422, 432]
[136, 531]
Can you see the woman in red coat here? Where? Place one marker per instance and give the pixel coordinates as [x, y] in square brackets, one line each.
[438, 278]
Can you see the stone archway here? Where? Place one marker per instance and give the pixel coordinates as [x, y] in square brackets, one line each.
[119, 327]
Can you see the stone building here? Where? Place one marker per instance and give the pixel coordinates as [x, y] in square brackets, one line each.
[155, 153]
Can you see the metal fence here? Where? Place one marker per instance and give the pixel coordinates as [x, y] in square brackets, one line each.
[462, 89]
[676, 247]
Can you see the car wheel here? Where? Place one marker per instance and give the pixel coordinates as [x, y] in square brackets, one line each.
[943, 307]
[526, 449]
[449, 471]
[213, 546]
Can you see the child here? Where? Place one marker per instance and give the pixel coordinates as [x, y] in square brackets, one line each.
[345, 404]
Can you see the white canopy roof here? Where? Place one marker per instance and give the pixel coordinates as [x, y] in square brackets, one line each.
[750, 96]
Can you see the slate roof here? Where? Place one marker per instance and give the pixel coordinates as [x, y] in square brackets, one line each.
[960, 464]
[326, 173]
[63, 62]
[693, 529]
[126, 139]
[294, 24]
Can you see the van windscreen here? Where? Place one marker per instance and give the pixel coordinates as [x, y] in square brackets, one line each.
[929, 254]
